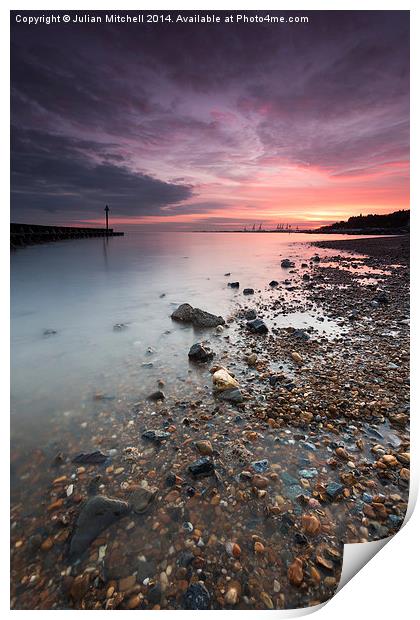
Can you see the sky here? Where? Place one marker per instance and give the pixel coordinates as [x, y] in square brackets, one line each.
[210, 126]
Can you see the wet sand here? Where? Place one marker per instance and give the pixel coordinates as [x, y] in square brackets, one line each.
[245, 502]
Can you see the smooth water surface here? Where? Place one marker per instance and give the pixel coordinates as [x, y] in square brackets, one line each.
[82, 288]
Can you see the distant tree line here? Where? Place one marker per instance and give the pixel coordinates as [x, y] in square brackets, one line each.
[392, 221]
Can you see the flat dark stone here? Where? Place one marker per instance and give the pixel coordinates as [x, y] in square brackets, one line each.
[154, 595]
[141, 499]
[334, 489]
[197, 597]
[248, 291]
[257, 326]
[200, 353]
[145, 569]
[90, 458]
[96, 515]
[155, 436]
[233, 395]
[233, 284]
[201, 467]
[158, 395]
[250, 314]
[273, 283]
[260, 466]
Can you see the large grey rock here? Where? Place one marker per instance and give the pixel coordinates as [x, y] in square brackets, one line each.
[184, 312]
[96, 515]
[196, 316]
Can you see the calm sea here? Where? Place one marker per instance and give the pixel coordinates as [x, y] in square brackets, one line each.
[82, 288]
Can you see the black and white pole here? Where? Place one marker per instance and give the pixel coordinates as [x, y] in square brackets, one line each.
[106, 217]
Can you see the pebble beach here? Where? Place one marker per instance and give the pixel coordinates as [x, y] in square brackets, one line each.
[237, 486]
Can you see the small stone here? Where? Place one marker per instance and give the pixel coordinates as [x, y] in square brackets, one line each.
[248, 291]
[265, 598]
[334, 489]
[90, 458]
[233, 395]
[259, 547]
[133, 602]
[260, 466]
[257, 326]
[156, 436]
[250, 314]
[259, 481]
[79, 587]
[233, 549]
[47, 544]
[295, 572]
[197, 597]
[200, 353]
[405, 474]
[342, 453]
[156, 396]
[201, 467]
[311, 525]
[204, 447]
[233, 593]
[223, 380]
[126, 583]
[141, 499]
[155, 594]
[296, 357]
[251, 359]
[118, 327]
[324, 562]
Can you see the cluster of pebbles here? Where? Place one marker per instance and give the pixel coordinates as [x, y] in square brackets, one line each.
[190, 500]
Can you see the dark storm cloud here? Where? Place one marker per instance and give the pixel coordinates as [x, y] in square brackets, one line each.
[120, 110]
[49, 172]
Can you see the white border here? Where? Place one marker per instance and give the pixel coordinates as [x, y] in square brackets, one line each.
[396, 570]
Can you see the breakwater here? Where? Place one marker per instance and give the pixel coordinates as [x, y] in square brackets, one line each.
[30, 234]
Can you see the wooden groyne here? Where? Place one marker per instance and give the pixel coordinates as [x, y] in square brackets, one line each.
[30, 234]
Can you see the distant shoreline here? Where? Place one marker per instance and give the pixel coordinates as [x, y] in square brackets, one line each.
[394, 248]
[383, 233]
